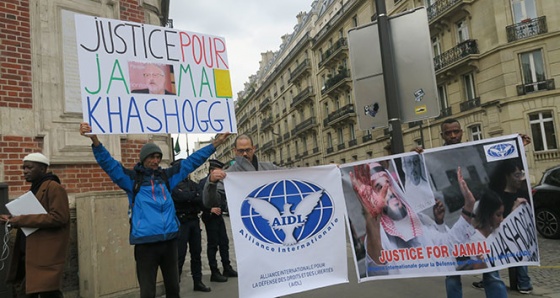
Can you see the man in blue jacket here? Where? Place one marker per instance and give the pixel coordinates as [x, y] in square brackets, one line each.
[154, 225]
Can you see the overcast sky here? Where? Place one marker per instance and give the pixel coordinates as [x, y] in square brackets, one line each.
[249, 27]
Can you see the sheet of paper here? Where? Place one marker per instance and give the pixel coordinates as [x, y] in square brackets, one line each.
[26, 204]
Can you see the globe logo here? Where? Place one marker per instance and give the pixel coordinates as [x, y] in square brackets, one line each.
[501, 150]
[286, 212]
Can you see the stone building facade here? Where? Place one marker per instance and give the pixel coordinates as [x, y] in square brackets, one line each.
[40, 112]
[496, 64]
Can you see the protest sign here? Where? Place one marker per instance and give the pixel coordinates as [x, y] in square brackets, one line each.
[140, 78]
[410, 217]
[291, 223]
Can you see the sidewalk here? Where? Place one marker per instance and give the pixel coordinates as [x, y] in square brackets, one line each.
[429, 287]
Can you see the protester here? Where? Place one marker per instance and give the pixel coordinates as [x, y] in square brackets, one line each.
[391, 224]
[509, 182]
[216, 234]
[38, 260]
[154, 79]
[154, 225]
[214, 196]
[188, 204]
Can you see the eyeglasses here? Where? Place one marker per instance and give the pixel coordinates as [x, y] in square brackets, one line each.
[243, 151]
[153, 75]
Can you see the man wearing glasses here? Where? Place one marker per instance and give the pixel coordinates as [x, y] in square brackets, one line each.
[154, 79]
[213, 194]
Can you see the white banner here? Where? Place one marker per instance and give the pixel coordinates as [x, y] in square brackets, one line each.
[288, 229]
[140, 78]
[408, 218]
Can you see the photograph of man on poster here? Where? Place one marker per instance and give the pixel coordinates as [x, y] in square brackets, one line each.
[391, 224]
[151, 78]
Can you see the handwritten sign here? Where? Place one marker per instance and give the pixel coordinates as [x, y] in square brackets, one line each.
[139, 78]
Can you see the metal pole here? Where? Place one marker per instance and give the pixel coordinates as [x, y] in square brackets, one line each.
[389, 77]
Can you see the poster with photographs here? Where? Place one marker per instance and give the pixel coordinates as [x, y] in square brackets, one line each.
[452, 210]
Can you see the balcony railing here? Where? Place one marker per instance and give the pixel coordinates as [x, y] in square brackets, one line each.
[342, 113]
[459, 52]
[440, 7]
[470, 104]
[268, 146]
[526, 29]
[300, 69]
[302, 96]
[367, 138]
[286, 136]
[333, 82]
[265, 103]
[536, 86]
[266, 123]
[352, 143]
[315, 150]
[330, 150]
[305, 125]
[444, 113]
[341, 146]
[333, 51]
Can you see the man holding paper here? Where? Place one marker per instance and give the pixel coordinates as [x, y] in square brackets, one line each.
[37, 263]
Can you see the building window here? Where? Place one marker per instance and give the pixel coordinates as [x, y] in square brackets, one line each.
[462, 31]
[523, 9]
[436, 46]
[297, 147]
[340, 136]
[352, 132]
[475, 133]
[532, 68]
[542, 128]
[355, 21]
[468, 84]
[442, 95]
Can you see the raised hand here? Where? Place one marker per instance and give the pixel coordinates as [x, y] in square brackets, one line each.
[371, 201]
[467, 194]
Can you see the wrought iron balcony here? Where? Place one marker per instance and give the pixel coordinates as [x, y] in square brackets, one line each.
[536, 86]
[268, 146]
[303, 126]
[266, 123]
[352, 143]
[265, 103]
[337, 48]
[336, 81]
[343, 113]
[367, 138]
[470, 104]
[301, 69]
[457, 53]
[330, 150]
[444, 113]
[414, 123]
[302, 96]
[440, 7]
[286, 136]
[279, 139]
[341, 146]
[315, 150]
[526, 29]
[242, 119]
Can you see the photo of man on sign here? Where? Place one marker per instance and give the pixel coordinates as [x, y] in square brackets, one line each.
[151, 78]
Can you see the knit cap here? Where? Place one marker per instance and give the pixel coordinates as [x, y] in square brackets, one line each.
[147, 149]
[37, 157]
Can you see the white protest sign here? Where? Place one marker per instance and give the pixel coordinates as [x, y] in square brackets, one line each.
[292, 224]
[139, 78]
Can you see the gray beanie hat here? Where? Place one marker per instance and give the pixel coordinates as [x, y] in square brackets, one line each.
[147, 149]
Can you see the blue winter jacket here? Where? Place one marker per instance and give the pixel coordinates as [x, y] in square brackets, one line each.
[153, 212]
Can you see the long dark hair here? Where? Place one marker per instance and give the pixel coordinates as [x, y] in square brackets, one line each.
[488, 204]
[498, 178]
